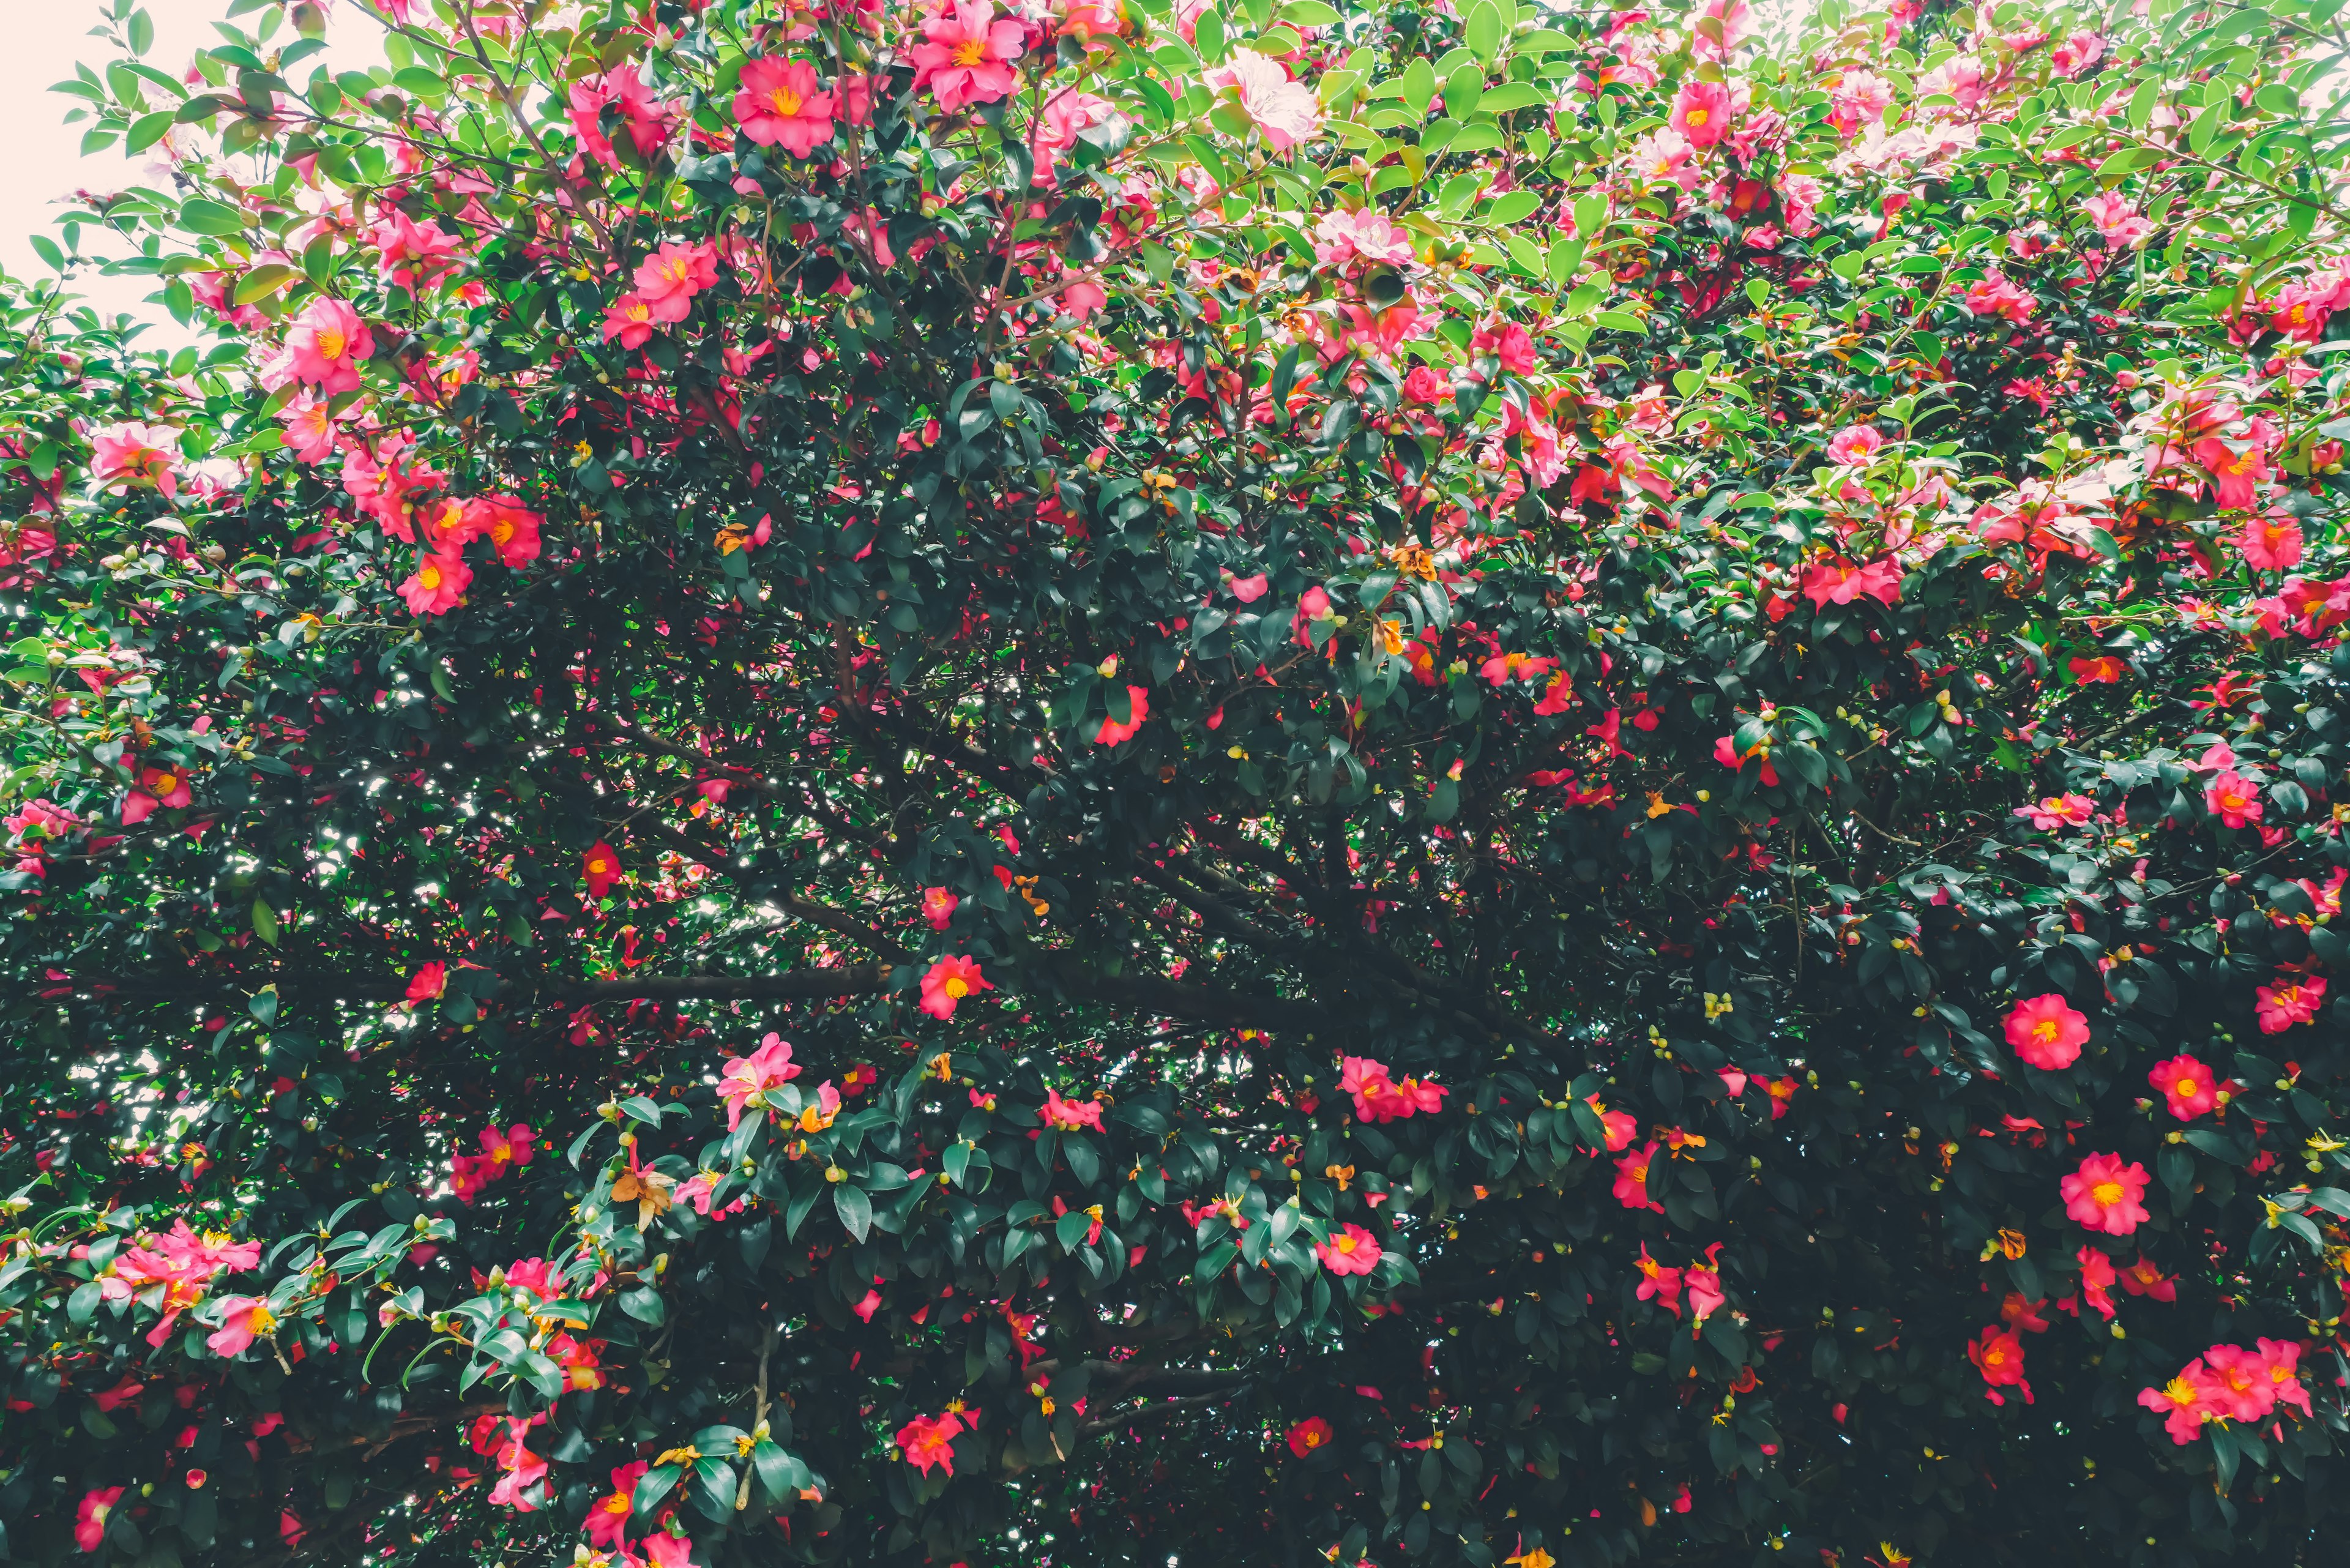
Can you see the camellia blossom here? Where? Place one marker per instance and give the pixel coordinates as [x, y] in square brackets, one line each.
[2104, 1195]
[429, 983]
[608, 1519]
[327, 344]
[2288, 1003]
[1342, 239]
[628, 320]
[1112, 732]
[747, 1079]
[1632, 1178]
[1998, 1354]
[780, 104]
[1701, 112]
[1855, 446]
[939, 907]
[1351, 1249]
[2186, 1084]
[1308, 1435]
[511, 529]
[949, 981]
[2185, 1402]
[966, 53]
[600, 868]
[1993, 295]
[1284, 112]
[2234, 799]
[2047, 1032]
[90, 1516]
[157, 787]
[243, 1319]
[926, 1441]
[2271, 543]
[1070, 1115]
[668, 279]
[130, 454]
[2054, 811]
[437, 585]
[1379, 1098]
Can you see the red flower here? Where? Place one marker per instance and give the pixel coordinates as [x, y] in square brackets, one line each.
[2143, 1279]
[926, 1441]
[1308, 1435]
[949, 981]
[608, 1521]
[90, 1518]
[2185, 1402]
[939, 907]
[1352, 1251]
[429, 983]
[2233, 799]
[1112, 732]
[2186, 1084]
[1069, 1115]
[1998, 1354]
[437, 585]
[2047, 1033]
[1632, 1179]
[2104, 1195]
[2282, 1006]
[602, 868]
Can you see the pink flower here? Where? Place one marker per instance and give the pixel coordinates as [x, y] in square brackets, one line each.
[2186, 1084]
[1701, 112]
[2270, 544]
[2047, 1033]
[501, 1149]
[1284, 112]
[2282, 1360]
[1859, 100]
[2234, 799]
[1855, 446]
[1704, 1287]
[125, 455]
[780, 105]
[865, 1308]
[2104, 1195]
[2054, 811]
[327, 344]
[90, 1518]
[309, 424]
[747, 1079]
[1350, 1251]
[939, 907]
[1112, 732]
[2120, 224]
[926, 1441]
[1832, 580]
[1341, 239]
[1379, 1098]
[607, 1519]
[2186, 1402]
[511, 529]
[1994, 296]
[949, 981]
[1658, 1283]
[2077, 54]
[966, 53]
[429, 983]
[243, 1319]
[628, 319]
[2239, 1384]
[668, 279]
[2096, 1281]
[1070, 1115]
[2282, 1006]
[1998, 1354]
[155, 787]
[1632, 1178]
[438, 583]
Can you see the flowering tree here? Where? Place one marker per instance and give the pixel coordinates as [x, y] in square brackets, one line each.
[1206, 783]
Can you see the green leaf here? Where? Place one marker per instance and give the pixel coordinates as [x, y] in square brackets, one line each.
[1513, 207]
[265, 922]
[855, 1209]
[266, 279]
[1483, 31]
[148, 130]
[202, 215]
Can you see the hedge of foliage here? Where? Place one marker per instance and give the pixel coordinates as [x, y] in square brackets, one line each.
[1201, 782]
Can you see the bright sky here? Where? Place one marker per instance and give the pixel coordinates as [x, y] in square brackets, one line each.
[42, 158]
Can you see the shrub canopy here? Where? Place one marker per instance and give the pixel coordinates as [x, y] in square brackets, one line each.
[1251, 783]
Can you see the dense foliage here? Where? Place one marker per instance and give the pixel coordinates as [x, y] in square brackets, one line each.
[1221, 782]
